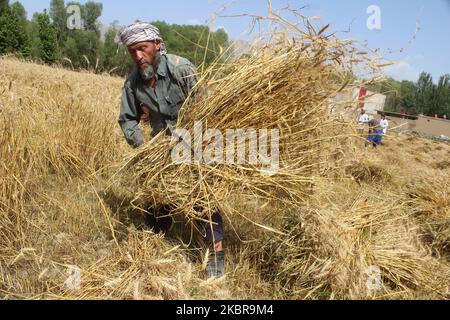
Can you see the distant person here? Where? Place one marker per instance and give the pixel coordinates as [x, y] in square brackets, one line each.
[363, 120]
[375, 133]
[153, 94]
[445, 117]
[384, 124]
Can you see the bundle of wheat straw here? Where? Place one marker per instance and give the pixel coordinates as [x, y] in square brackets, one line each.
[287, 85]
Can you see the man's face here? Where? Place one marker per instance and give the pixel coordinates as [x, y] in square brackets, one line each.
[143, 53]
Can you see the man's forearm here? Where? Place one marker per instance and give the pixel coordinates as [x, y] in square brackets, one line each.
[132, 133]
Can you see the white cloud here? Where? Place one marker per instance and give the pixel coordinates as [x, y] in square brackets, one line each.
[402, 70]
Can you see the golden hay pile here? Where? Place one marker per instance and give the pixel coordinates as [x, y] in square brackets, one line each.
[59, 145]
[340, 210]
[285, 85]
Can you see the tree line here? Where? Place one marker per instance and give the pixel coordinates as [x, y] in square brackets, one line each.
[414, 98]
[47, 38]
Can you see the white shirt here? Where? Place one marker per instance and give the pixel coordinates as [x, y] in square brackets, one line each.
[364, 118]
[385, 125]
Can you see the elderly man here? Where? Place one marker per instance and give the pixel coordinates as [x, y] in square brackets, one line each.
[157, 87]
[154, 93]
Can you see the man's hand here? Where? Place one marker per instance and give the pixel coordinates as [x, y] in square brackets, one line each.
[145, 113]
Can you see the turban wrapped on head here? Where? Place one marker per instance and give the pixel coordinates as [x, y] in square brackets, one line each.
[139, 32]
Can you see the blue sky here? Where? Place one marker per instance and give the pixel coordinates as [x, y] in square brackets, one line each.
[428, 20]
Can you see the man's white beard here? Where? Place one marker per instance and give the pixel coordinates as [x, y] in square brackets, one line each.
[149, 72]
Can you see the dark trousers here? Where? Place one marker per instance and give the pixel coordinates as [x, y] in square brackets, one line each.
[214, 231]
[160, 221]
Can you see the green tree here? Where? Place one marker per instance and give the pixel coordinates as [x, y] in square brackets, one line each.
[82, 48]
[425, 93]
[32, 28]
[59, 17]
[70, 52]
[4, 4]
[408, 97]
[110, 46]
[443, 95]
[19, 11]
[13, 36]
[115, 57]
[92, 11]
[48, 38]
[392, 89]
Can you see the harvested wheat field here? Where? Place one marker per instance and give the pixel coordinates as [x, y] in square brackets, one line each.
[72, 191]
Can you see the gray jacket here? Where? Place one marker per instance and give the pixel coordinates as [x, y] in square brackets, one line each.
[176, 78]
